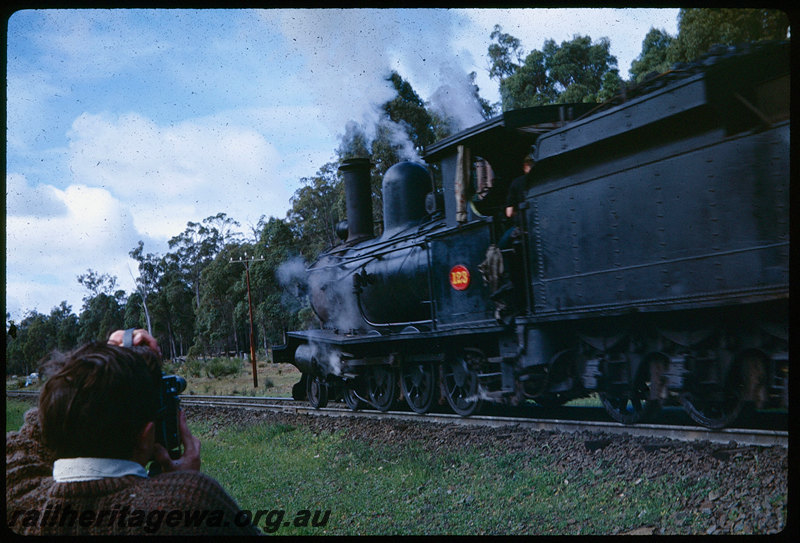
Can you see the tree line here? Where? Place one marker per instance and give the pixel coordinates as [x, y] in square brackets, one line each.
[193, 298]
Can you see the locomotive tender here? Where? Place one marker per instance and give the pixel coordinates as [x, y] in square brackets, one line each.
[650, 262]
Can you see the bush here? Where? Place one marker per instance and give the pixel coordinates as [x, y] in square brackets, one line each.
[192, 367]
[219, 367]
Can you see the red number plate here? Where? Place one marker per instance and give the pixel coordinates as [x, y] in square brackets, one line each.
[459, 277]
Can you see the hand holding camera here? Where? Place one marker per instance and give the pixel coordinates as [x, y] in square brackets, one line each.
[171, 429]
[189, 460]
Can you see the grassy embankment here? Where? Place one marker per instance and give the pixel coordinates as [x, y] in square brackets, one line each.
[393, 489]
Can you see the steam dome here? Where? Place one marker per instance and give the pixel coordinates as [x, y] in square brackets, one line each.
[405, 186]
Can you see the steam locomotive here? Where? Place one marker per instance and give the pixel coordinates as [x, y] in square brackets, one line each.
[648, 262]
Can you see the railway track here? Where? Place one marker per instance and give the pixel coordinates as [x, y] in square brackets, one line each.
[679, 432]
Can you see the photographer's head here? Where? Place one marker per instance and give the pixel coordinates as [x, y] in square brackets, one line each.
[99, 401]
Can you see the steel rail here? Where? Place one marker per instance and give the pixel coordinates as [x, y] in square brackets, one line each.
[742, 436]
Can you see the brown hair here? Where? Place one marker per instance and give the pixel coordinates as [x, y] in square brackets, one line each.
[98, 400]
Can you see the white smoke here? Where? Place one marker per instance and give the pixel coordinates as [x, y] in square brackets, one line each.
[331, 293]
[357, 139]
[293, 278]
[454, 99]
[398, 136]
[327, 356]
[329, 290]
[348, 54]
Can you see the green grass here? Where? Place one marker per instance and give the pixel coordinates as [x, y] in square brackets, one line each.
[220, 377]
[409, 489]
[388, 489]
[15, 409]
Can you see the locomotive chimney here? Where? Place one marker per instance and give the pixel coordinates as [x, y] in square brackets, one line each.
[358, 197]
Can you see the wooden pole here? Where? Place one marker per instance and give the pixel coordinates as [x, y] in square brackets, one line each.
[246, 263]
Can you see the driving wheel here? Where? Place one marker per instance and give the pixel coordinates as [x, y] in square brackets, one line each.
[418, 382]
[461, 384]
[382, 384]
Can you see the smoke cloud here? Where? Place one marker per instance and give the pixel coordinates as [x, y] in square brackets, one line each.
[330, 292]
[348, 55]
[292, 277]
[332, 295]
[454, 99]
[398, 136]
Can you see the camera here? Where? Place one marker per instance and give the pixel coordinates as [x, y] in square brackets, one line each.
[167, 431]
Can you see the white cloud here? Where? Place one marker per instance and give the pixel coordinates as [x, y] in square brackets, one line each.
[22, 199]
[45, 254]
[69, 39]
[173, 174]
[25, 117]
[165, 175]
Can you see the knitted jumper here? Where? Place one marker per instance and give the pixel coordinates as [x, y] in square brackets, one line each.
[175, 503]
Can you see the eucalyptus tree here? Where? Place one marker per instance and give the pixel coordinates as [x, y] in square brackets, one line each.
[146, 282]
[174, 309]
[66, 325]
[654, 56]
[103, 307]
[317, 207]
[163, 301]
[199, 244]
[578, 70]
[37, 335]
[101, 315]
[700, 28]
[277, 306]
[505, 54]
[221, 289]
[34, 338]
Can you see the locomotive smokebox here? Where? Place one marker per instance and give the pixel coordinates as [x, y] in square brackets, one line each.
[358, 191]
[405, 187]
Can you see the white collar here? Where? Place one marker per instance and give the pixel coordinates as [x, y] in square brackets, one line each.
[69, 470]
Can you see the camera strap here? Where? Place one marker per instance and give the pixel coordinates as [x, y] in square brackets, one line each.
[127, 338]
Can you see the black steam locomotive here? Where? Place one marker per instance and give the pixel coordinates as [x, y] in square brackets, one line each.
[648, 261]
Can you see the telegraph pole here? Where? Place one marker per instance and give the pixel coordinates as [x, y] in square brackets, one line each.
[246, 261]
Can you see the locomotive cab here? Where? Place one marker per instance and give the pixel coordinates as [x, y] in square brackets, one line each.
[477, 167]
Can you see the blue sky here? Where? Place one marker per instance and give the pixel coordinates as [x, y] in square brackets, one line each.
[123, 125]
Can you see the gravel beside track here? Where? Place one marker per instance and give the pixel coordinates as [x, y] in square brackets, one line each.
[761, 508]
